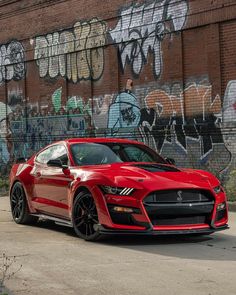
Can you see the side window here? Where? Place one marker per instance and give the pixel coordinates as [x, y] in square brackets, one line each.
[45, 155]
[56, 152]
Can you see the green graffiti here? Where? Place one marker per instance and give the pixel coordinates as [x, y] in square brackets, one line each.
[56, 99]
[75, 102]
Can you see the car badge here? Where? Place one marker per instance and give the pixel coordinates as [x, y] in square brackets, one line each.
[179, 198]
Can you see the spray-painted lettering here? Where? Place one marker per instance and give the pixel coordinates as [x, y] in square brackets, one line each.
[76, 54]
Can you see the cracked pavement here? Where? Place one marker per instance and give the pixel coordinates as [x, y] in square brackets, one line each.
[55, 261]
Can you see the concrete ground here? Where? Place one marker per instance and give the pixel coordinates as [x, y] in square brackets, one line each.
[55, 261]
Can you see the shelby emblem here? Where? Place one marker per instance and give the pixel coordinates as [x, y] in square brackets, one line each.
[179, 196]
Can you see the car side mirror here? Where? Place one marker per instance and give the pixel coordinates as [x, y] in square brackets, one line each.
[170, 161]
[21, 160]
[58, 163]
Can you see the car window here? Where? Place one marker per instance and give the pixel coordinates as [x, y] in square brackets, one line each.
[107, 153]
[56, 152]
[93, 154]
[136, 154]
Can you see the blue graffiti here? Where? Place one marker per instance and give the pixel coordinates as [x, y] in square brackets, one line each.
[31, 134]
[124, 112]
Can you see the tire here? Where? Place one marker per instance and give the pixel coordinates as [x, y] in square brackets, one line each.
[19, 206]
[85, 217]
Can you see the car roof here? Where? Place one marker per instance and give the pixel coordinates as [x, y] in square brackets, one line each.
[100, 140]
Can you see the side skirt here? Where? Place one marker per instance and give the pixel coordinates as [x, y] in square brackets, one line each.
[57, 220]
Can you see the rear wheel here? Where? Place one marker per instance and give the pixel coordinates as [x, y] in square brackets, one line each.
[85, 217]
[19, 206]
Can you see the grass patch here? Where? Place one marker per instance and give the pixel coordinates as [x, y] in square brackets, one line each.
[230, 186]
[4, 184]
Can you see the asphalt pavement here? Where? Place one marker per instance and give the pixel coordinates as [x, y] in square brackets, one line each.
[55, 261]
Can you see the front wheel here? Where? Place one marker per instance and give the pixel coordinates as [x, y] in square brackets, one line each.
[19, 206]
[85, 217]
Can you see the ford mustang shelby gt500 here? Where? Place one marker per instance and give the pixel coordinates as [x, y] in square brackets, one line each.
[107, 186]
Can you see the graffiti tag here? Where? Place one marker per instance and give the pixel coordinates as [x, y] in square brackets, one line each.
[76, 54]
[142, 28]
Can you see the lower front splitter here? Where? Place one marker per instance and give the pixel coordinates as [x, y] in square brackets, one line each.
[202, 231]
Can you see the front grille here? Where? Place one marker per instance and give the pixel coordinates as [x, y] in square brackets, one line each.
[179, 196]
[172, 220]
[179, 207]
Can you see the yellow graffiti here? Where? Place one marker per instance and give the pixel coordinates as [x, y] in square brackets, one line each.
[77, 55]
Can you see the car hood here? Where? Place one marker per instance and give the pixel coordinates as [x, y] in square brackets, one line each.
[151, 176]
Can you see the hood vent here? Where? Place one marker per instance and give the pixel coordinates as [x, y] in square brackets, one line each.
[157, 168]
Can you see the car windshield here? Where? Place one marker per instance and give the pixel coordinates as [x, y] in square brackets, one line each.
[107, 153]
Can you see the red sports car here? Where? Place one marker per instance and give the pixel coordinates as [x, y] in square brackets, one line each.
[109, 186]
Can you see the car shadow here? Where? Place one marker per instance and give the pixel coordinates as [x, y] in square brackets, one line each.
[219, 246]
[51, 225]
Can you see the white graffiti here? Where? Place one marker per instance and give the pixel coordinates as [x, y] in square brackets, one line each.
[4, 132]
[76, 54]
[229, 115]
[229, 106]
[97, 108]
[12, 61]
[142, 28]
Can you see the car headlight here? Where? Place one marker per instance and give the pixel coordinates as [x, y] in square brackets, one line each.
[217, 189]
[112, 190]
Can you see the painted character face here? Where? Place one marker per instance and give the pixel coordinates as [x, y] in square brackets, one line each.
[124, 112]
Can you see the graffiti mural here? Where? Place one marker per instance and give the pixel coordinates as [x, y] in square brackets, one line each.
[95, 108]
[76, 54]
[80, 105]
[124, 112]
[34, 133]
[33, 125]
[166, 112]
[229, 106]
[4, 134]
[15, 96]
[56, 99]
[12, 61]
[229, 116]
[141, 30]
[185, 123]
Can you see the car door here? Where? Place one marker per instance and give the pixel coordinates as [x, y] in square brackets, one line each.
[51, 184]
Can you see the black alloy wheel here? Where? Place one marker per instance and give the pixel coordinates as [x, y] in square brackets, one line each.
[19, 206]
[85, 217]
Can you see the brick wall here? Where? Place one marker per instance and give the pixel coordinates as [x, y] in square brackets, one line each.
[64, 67]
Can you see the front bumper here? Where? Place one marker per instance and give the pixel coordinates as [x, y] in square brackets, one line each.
[151, 232]
[160, 219]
